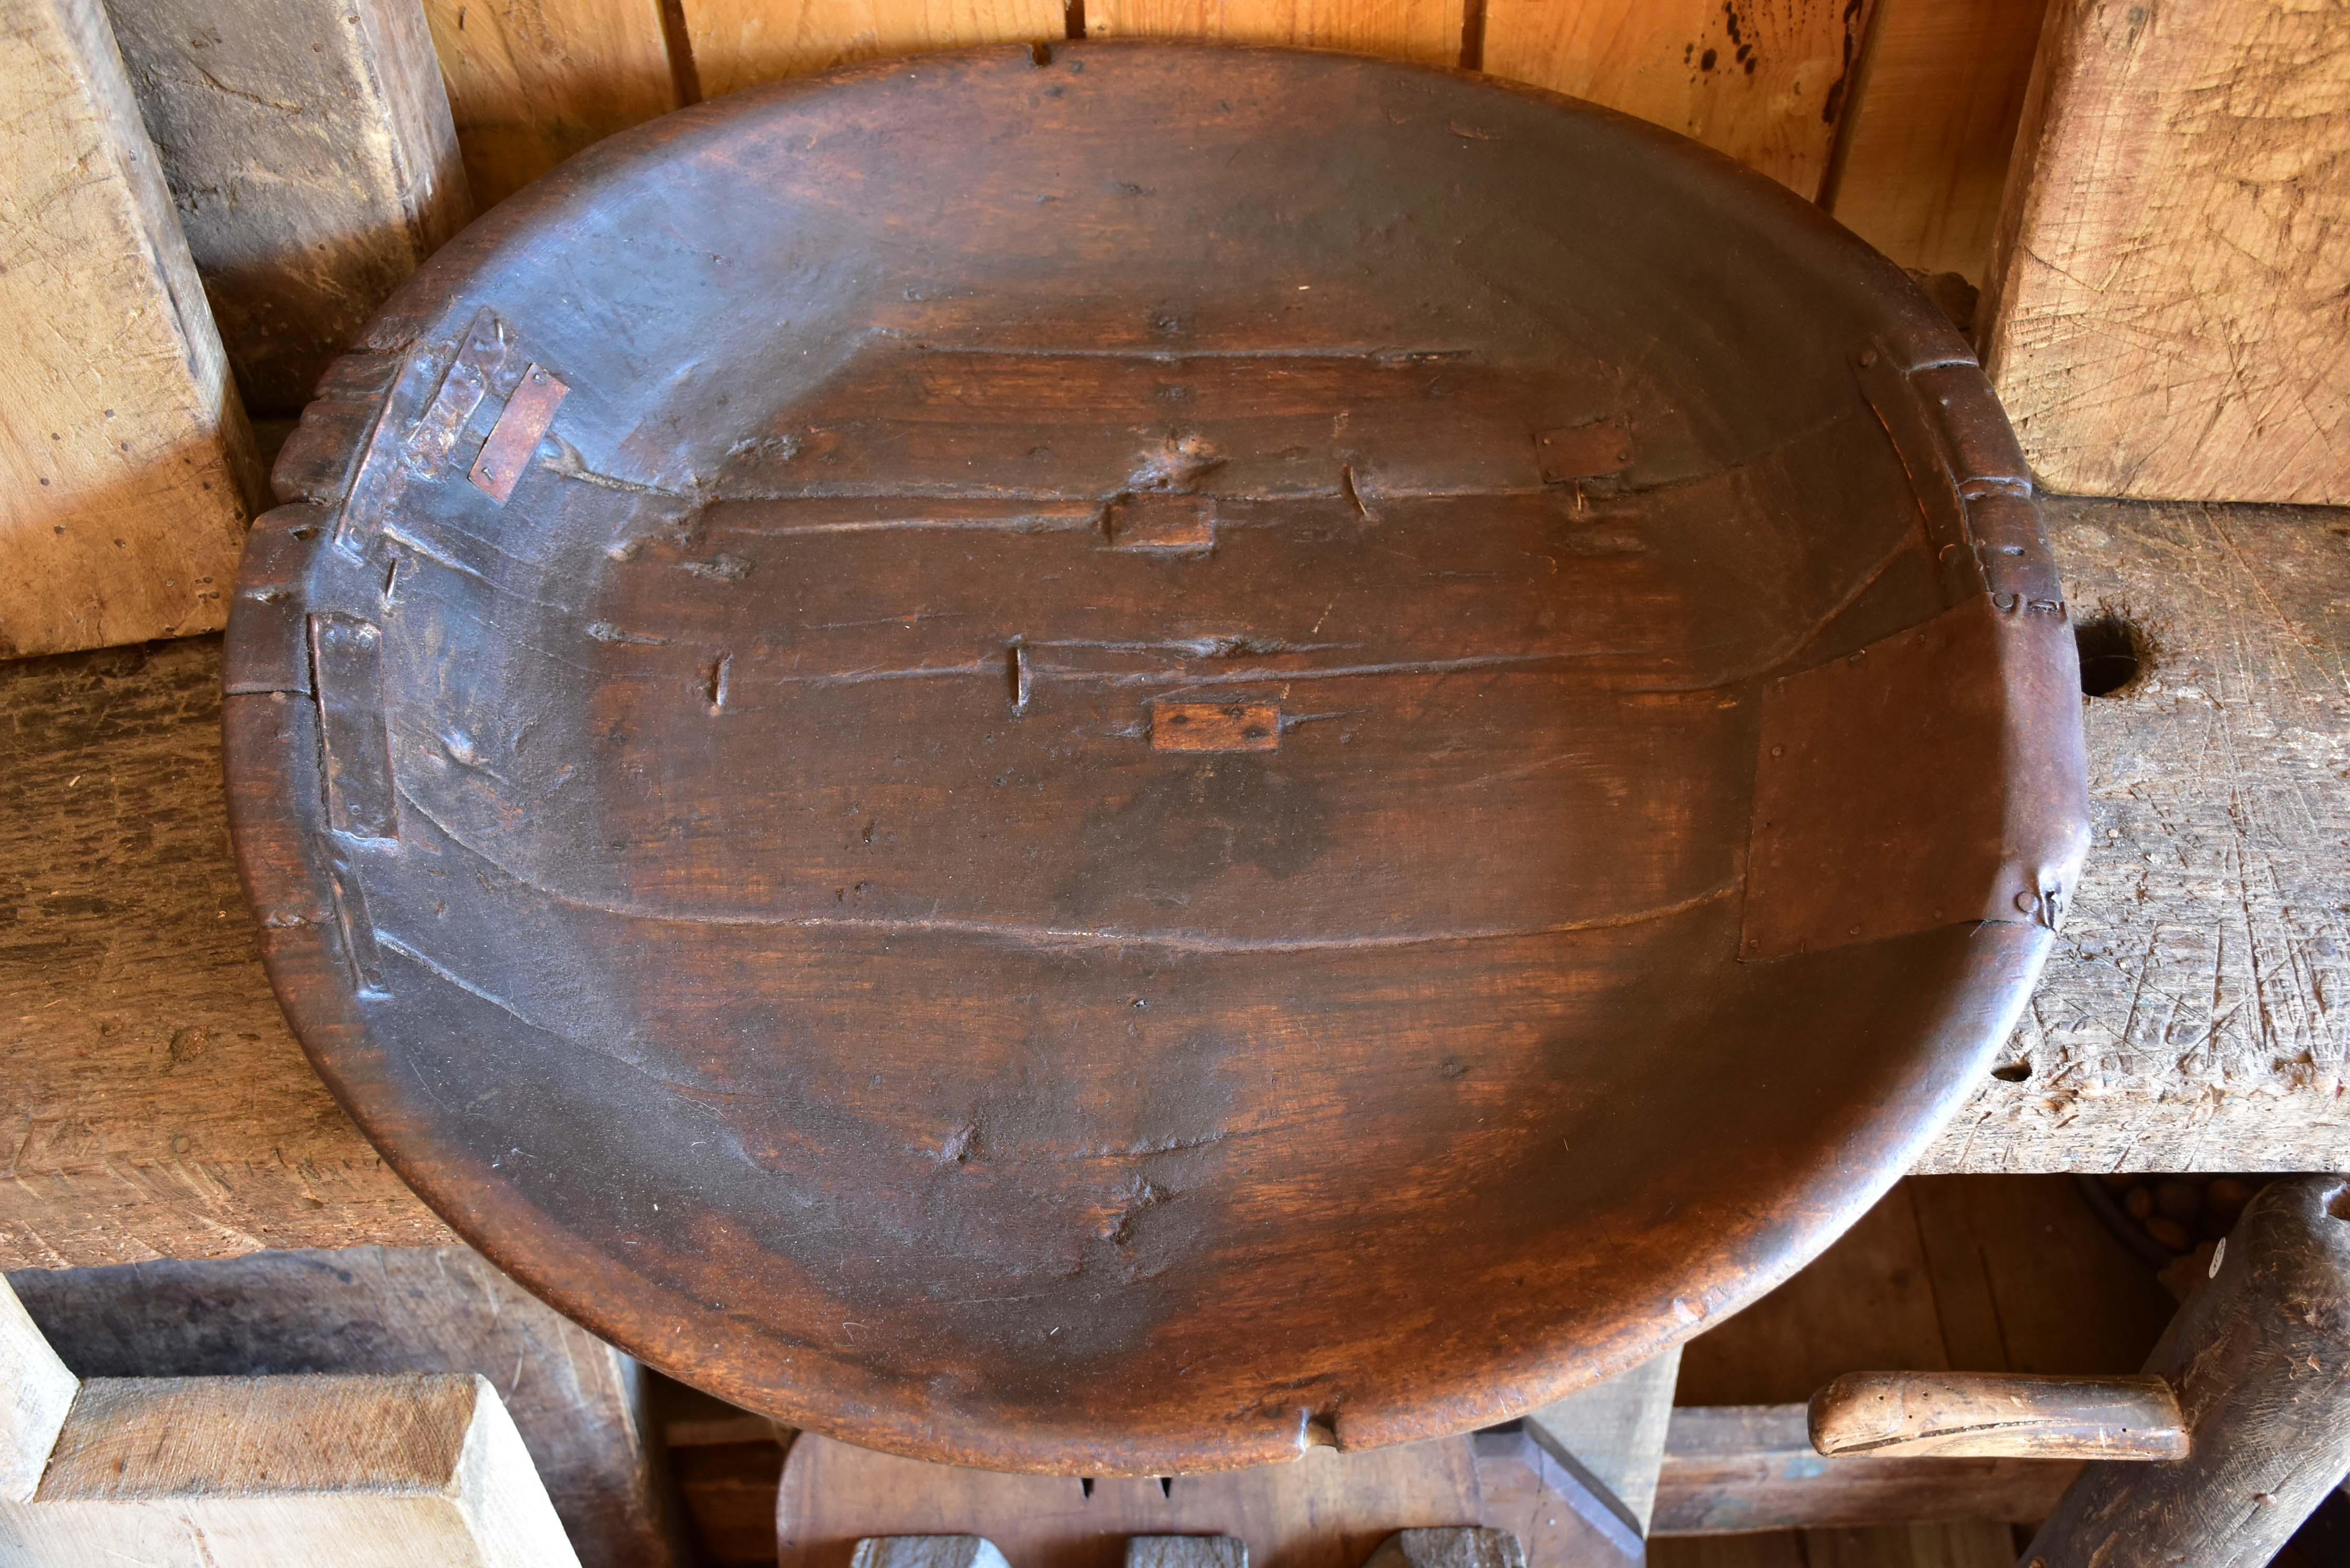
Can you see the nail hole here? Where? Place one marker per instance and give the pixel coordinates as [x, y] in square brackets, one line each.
[2114, 654]
[2012, 1072]
[1086, 1485]
[1040, 54]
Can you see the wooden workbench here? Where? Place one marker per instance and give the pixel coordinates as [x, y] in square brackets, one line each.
[2196, 1016]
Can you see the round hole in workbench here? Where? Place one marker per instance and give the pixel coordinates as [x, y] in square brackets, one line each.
[2113, 654]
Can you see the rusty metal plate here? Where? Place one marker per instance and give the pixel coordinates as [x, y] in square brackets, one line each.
[1032, 826]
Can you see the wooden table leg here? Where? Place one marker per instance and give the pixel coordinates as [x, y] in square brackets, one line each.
[2259, 1359]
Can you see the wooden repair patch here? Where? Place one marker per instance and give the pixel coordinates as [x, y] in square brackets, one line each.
[1584, 452]
[1151, 521]
[1215, 726]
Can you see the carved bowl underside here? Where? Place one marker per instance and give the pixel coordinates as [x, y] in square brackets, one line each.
[1113, 763]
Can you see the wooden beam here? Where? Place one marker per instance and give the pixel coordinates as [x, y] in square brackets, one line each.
[1732, 1469]
[1428, 31]
[740, 43]
[310, 154]
[126, 468]
[152, 1104]
[575, 1400]
[36, 1391]
[1766, 84]
[260, 1472]
[2165, 313]
[531, 82]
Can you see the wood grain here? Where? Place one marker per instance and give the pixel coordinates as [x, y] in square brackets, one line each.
[740, 43]
[2164, 316]
[204, 1472]
[531, 82]
[1927, 140]
[575, 1400]
[1765, 83]
[1738, 1469]
[36, 1391]
[155, 1105]
[311, 157]
[1998, 1415]
[2259, 1356]
[126, 476]
[1326, 1509]
[1428, 31]
[2200, 979]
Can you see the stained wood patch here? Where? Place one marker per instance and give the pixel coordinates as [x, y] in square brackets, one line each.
[1215, 727]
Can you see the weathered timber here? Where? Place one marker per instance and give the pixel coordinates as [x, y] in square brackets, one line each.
[2193, 1015]
[2164, 317]
[126, 466]
[576, 1401]
[1730, 1470]
[2261, 1357]
[261, 1472]
[155, 1105]
[1992, 1415]
[309, 151]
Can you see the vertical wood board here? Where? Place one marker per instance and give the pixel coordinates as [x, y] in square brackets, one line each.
[1426, 31]
[2166, 314]
[1932, 123]
[1766, 83]
[740, 43]
[531, 82]
[126, 466]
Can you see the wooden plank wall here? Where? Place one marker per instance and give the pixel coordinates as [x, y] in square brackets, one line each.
[1899, 113]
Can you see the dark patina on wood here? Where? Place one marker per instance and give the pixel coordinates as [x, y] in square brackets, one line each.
[1089, 809]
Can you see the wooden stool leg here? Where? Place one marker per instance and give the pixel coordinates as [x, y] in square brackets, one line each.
[2261, 1358]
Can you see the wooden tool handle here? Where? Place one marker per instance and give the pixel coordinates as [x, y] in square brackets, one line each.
[2259, 1358]
[1995, 1415]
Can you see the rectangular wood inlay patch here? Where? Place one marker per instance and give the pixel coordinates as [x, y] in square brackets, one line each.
[1151, 520]
[1215, 726]
[516, 435]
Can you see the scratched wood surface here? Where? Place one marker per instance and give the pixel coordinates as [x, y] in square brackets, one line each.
[126, 475]
[1426, 31]
[739, 43]
[2165, 317]
[531, 82]
[156, 1106]
[1765, 83]
[1117, 654]
[2193, 1013]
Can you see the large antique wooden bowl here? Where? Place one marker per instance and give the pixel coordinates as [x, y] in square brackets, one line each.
[1117, 757]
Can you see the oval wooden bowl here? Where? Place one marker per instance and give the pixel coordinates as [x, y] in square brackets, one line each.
[1111, 759]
